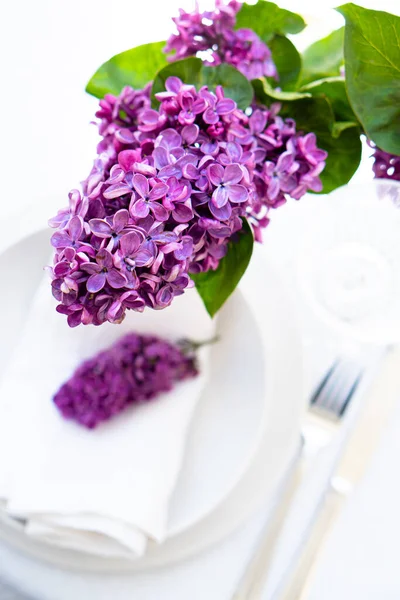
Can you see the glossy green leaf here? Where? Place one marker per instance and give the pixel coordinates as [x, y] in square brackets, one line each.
[323, 58]
[135, 67]
[343, 144]
[287, 61]
[193, 71]
[333, 88]
[372, 58]
[215, 287]
[340, 126]
[267, 19]
[266, 94]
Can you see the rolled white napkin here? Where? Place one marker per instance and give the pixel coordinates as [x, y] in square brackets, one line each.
[107, 490]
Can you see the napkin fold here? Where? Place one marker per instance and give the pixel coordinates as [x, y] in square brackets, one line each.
[104, 491]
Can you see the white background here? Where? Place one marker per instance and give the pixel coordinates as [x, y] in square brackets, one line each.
[49, 49]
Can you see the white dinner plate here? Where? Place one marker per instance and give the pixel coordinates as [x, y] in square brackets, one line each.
[255, 422]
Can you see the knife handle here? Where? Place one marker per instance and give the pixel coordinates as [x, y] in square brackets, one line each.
[298, 586]
[252, 582]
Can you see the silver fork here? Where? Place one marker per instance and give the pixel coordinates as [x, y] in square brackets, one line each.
[327, 408]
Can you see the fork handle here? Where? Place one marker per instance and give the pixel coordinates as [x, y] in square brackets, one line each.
[298, 586]
[252, 582]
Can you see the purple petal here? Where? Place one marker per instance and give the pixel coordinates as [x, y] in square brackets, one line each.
[183, 212]
[125, 136]
[140, 209]
[161, 157]
[116, 279]
[144, 258]
[233, 174]
[74, 319]
[220, 196]
[234, 151]
[158, 191]
[116, 190]
[91, 268]
[285, 161]
[237, 193]
[144, 169]
[186, 248]
[127, 159]
[216, 174]
[164, 296]
[190, 134]
[211, 148]
[159, 211]
[141, 185]
[170, 171]
[60, 239]
[117, 174]
[173, 84]
[210, 116]
[104, 259]
[75, 228]
[169, 138]
[150, 116]
[258, 121]
[222, 214]
[273, 188]
[61, 269]
[130, 242]
[95, 283]
[198, 106]
[225, 106]
[189, 171]
[120, 220]
[100, 228]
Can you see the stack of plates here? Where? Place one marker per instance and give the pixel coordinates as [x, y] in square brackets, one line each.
[245, 430]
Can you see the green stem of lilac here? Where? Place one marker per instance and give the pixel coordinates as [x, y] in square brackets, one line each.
[188, 346]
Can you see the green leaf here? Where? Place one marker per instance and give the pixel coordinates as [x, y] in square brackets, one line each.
[323, 58]
[266, 19]
[215, 287]
[135, 67]
[340, 126]
[372, 58]
[343, 144]
[193, 71]
[333, 88]
[236, 85]
[287, 61]
[264, 92]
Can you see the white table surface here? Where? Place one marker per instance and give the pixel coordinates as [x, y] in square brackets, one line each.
[49, 50]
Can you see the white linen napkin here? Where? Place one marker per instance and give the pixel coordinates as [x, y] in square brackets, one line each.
[106, 490]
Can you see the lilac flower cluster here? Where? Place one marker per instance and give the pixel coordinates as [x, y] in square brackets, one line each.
[211, 35]
[134, 370]
[167, 192]
[386, 166]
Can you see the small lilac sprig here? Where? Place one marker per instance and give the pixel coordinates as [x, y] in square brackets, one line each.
[136, 369]
[168, 190]
[212, 35]
[386, 165]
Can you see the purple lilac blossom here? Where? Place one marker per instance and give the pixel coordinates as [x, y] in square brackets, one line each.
[134, 370]
[386, 165]
[168, 190]
[211, 35]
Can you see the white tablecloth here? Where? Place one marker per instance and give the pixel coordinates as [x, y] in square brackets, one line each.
[49, 50]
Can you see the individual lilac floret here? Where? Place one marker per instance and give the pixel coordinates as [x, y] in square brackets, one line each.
[135, 369]
[167, 193]
[386, 166]
[211, 35]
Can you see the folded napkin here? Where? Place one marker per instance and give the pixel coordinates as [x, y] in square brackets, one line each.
[104, 491]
